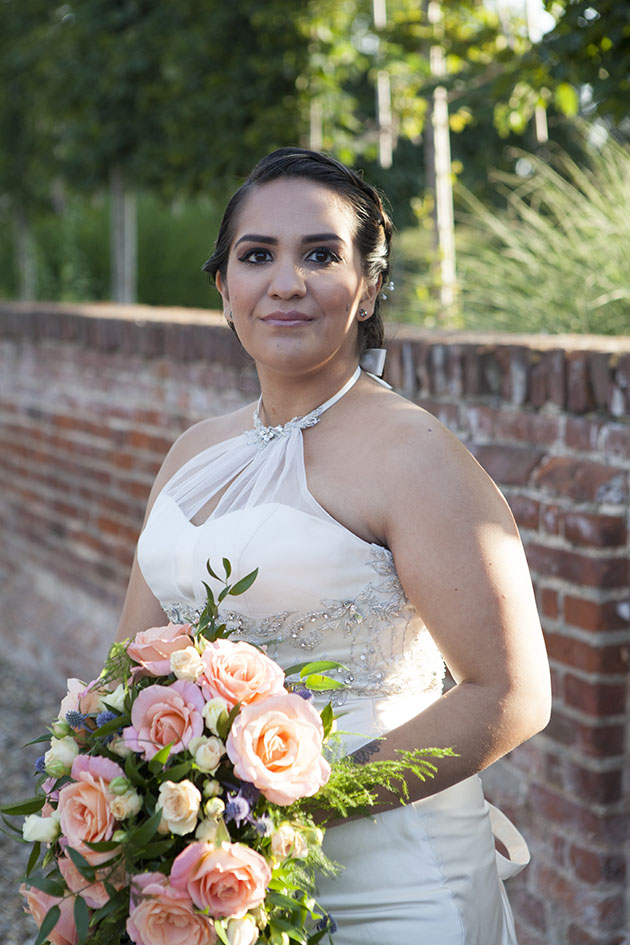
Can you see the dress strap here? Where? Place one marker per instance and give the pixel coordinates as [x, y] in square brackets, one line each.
[266, 434]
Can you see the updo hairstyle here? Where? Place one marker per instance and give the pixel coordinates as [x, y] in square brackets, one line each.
[374, 227]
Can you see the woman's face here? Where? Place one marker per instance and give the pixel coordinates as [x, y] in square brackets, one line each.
[294, 281]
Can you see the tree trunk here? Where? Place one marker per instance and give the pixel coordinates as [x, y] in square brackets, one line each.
[383, 94]
[123, 238]
[25, 261]
[440, 166]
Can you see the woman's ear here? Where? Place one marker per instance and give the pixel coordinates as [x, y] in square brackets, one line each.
[222, 288]
[369, 296]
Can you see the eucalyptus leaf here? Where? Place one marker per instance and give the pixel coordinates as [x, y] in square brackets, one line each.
[24, 807]
[87, 870]
[211, 573]
[320, 683]
[227, 567]
[318, 666]
[146, 831]
[176, 773]
[50, 921]
[33, 858]
[244, 584]
[160, 758]
[52, 887]
[81, 920]
[219, 928]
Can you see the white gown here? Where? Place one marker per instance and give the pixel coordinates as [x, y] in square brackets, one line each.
[425, 873]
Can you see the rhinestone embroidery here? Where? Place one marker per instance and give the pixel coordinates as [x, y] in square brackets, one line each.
[264, 435]
[387, 649]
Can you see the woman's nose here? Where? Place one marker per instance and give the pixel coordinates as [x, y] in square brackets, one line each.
[287, 280]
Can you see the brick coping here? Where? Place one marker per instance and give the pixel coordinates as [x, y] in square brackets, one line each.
[396, 331]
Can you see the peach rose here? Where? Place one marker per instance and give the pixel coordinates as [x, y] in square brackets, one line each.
[39, 903]
[165, 715]
[276, 745]
[94, 893]
[227, 880]
[152, 648]
[238, 672]
[84, 811]
[162, 915]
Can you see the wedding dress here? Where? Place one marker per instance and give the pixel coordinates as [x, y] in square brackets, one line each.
[423, 873]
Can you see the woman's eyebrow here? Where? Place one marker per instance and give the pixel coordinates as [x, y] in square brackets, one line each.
[272, 241]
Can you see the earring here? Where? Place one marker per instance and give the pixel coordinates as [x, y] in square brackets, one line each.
[229, 317]
[363, 313]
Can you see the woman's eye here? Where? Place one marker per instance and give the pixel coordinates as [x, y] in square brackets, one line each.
[323, 256]
[255, 256]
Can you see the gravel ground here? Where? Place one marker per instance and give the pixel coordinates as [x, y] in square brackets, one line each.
[25, 711]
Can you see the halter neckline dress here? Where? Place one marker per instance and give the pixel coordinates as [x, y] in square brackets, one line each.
[424, 873]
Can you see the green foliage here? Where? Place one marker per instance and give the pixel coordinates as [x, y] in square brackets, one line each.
[557, 259]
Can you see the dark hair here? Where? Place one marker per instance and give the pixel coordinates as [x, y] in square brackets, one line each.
[374, 227]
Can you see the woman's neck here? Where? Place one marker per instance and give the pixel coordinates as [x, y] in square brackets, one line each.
[285, 397]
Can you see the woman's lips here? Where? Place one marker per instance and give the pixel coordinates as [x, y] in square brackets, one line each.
[286, 318]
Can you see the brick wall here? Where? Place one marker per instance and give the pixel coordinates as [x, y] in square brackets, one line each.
[92, 396]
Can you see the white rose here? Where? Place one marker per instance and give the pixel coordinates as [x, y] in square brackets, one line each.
[119, 746]
[59, 757]
[186, 664]
[214, 808]
[42, 829]
[126, 805]
[212, 712]
[179, 803]
[60, 729]
[286, 841]
[207, 752]
[116, 699]
[212, 788]
[242, 931]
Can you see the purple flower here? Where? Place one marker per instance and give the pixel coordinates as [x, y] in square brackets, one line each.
[237, 809]
[263, 825]
[40, 764]
[304, 693]
[75, 719]
[105, 716]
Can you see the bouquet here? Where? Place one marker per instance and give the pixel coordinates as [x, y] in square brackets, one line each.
[175, 802]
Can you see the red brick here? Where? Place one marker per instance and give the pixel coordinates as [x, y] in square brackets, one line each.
[579, 391]
[550, 519]
[508, 465]
[582, 433]
[616, 441]
[549, 603]
[596, 867]
[531, 427]
[583, 480]
[595, 615]
[558, 888]
[595, 740]
[600, 787]
[600, 531]
[595, 698]
[577, 935]
[576, 654]
[481, 421]
[578, 568]
[524, 510]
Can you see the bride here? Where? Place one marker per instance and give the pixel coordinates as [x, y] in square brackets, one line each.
[381, 543]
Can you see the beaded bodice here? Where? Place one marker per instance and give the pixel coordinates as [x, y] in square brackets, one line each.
[322, 592]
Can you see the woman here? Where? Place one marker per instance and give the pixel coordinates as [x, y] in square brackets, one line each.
[380, 542]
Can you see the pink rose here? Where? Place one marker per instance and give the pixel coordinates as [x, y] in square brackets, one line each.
[159, 914]
[82, 698]
[165, 715]
[238, 672]
[39, 903]
[228, 880]
[152, 648]
[83, 808]
[276, 745]
[93, 893]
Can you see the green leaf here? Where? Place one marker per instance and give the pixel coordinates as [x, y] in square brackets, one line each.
[227, 567]
[160, 758]
[212, 574]
[244, 584]
[219, 928]
[146, 831]
[154, 850]
[85, 869]
[224, 725]
[223, 594]
[132, 772]
[36, 741]
[285, 902]
[318, 666]
[81, 920]
[50, 921]
[176, 773]
[24, 807]
[112, 726]
[102, 846]
[33, 858]
[52, 887]
[118, 901]
[320, 683]
[328, 717]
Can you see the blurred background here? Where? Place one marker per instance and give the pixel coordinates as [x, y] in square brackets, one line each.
[498, 130]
